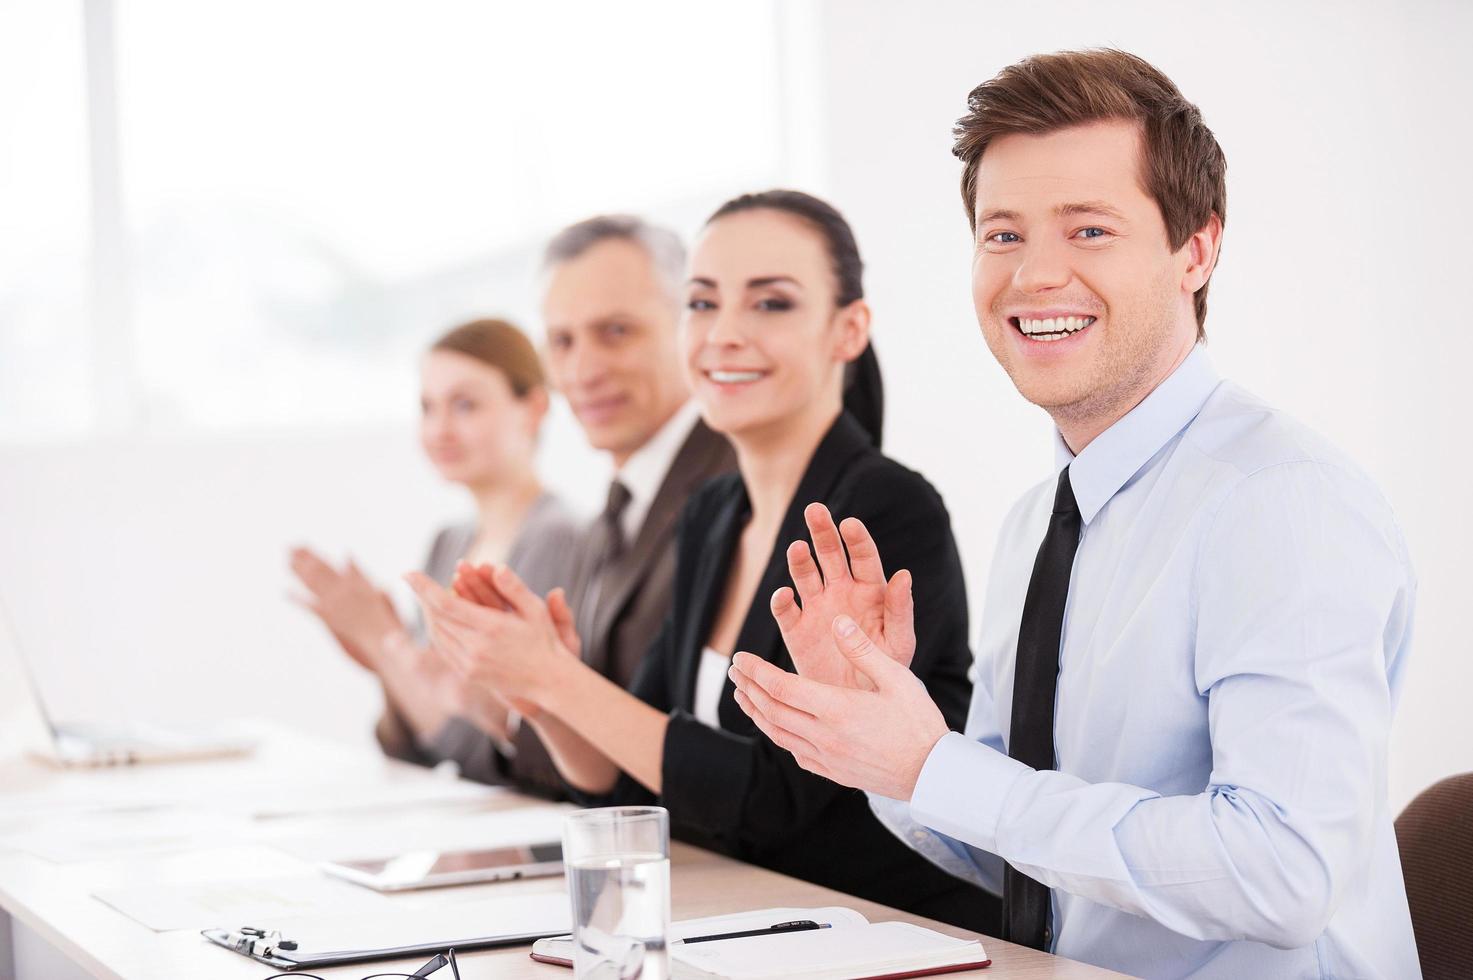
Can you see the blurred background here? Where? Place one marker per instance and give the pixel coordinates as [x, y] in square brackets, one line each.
[228, 230]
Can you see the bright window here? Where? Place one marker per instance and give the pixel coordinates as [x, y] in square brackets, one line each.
[45, 340]
[311, 191]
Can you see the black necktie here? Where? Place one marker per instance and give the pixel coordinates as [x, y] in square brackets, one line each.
[1025, 902]
[606, 546]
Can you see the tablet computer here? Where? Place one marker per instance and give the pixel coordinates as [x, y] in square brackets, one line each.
[434, 869]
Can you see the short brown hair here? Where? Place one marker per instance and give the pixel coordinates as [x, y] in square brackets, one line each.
[1183, 169]
[500, 345]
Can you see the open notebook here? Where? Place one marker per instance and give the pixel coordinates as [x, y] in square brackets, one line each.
[850, 949]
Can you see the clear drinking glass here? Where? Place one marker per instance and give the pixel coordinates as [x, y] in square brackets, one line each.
[618, 867]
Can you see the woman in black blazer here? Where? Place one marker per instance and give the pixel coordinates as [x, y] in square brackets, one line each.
[776, 340]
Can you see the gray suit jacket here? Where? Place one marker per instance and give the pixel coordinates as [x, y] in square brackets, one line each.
[543, 555]
[632, 605]
[635, 597]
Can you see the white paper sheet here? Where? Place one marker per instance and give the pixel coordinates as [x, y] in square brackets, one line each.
[103, 834]
[267, 784]
[266, 800]
[233, 904]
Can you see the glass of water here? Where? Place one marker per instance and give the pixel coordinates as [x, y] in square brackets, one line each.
[618, 866]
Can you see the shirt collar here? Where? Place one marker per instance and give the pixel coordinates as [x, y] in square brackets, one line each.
[644, 471]
[1118, 453]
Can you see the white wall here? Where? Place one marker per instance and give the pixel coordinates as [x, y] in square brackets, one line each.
[1339, 292]
[147, 578]
[147, 575]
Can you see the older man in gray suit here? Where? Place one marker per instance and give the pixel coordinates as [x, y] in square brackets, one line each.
[610, 306]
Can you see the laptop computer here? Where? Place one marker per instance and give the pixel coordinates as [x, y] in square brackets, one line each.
[25, 727]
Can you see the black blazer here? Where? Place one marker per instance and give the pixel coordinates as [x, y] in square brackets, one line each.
[732, 790]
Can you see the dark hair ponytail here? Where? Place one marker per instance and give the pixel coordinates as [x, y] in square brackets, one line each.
[864, 393]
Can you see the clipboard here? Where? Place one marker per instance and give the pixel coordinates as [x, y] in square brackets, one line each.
[267, 949]
[319, 942]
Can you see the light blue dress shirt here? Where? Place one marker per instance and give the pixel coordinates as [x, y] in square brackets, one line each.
[1238, 622]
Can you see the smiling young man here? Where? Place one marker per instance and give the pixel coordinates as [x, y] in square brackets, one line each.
[1175, 759]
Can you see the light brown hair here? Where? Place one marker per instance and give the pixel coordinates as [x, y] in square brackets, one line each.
[1182, 167]
[500, 345]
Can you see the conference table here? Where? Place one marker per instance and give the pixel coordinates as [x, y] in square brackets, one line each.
[181, 845]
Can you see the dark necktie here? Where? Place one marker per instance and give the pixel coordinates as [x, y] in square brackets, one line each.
[606, 545]
[1025, 902]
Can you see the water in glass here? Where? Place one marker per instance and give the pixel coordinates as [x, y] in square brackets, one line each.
[621, 907]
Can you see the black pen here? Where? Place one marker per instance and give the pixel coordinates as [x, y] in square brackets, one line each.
[797, 925]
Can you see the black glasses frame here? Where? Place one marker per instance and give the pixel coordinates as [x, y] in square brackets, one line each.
[444, 959]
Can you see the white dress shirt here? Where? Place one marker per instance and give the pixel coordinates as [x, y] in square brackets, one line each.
[645, 469]
[1238, 622]
[710, 682]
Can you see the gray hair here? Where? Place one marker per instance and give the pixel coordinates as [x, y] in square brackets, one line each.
[662, 245]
